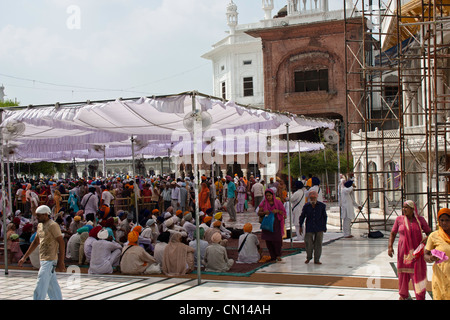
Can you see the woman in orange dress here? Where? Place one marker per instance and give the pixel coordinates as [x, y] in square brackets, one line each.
[203, 198]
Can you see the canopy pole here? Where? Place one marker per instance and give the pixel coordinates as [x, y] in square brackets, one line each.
[9, 182]
[5, 243]
[289, 180]
[326, 173]
[134, 181]
[104, 162]
[196, 131]
[338, 189]
[299, 160]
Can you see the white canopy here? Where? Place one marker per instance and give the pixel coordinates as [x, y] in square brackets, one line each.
[63, 132]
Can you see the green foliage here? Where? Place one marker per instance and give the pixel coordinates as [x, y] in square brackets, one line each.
[316, 163]
[8, 103]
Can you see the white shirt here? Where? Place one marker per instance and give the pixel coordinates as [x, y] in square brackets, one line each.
[101, 256]
[249, 252]
[107, 197]
[258, 189]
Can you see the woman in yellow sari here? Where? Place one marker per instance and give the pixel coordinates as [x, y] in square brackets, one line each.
[437, 251]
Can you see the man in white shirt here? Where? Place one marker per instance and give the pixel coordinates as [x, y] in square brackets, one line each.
[258, 192]
[175, 195]
[107, 196]
[249, 250]
[297, 202]
[90, 204]
[105, 253]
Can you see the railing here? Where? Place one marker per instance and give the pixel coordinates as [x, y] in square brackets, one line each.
[125, 204]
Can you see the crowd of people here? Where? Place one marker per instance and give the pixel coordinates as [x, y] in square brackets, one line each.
[96, 229]
[99, 221]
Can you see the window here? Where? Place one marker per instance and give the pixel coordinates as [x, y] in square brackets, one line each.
[224, 90]
[391, 96]
[248, 86]
[311, 80]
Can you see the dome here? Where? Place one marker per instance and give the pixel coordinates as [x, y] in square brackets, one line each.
[232, 7]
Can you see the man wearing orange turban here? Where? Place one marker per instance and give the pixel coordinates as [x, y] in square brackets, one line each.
[133, 238]
[134, 259]
[249, 250]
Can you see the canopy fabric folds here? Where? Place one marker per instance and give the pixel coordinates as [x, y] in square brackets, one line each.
[63, 132]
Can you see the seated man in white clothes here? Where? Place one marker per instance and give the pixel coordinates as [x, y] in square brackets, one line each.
[248, 247]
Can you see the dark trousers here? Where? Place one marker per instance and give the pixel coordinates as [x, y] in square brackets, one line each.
[274, 248]
[313, 244]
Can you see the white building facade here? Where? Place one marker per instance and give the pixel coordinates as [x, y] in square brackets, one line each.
[237, 59]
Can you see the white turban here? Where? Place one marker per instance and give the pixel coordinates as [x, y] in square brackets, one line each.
[103, 234]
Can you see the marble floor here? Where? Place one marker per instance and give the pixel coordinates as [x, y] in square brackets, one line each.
[359, 268]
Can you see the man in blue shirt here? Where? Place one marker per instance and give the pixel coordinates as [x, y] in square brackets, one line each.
[231, 198]
[316, 224]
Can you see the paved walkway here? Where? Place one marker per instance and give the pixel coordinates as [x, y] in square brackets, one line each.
[353, 269]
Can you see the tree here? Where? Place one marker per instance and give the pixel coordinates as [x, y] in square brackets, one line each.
[314, 163]
[8, 103]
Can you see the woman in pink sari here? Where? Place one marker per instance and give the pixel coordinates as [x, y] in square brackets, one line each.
[274, 240]
[410, 266]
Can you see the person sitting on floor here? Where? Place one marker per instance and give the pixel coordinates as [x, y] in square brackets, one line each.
[203, 245]
[162, 242]
[249, 250]
[88, 243]
[215, 229]
[226, 234]
[150, 231]
[189, 226]
[74, 243]
[105, 253]
[216, 257]
[134, 258]
[207, 220]
[178, 257]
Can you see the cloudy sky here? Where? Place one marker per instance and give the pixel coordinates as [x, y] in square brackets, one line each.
[76, 50]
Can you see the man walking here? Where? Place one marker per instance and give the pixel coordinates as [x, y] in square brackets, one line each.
[231, 199]
[51, 255]
[258, 192]
[316, 224]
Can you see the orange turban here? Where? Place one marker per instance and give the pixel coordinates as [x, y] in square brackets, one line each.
[178, 212]
[207, 219]
[137, 229]
[155, 211]
[133, 237]
[248, 227]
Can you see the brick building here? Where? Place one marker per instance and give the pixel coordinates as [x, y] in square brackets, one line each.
[304, 69]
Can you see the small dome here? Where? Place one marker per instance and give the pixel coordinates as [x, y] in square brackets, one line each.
[232, 6]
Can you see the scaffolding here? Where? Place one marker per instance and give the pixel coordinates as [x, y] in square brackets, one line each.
[401, 105]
